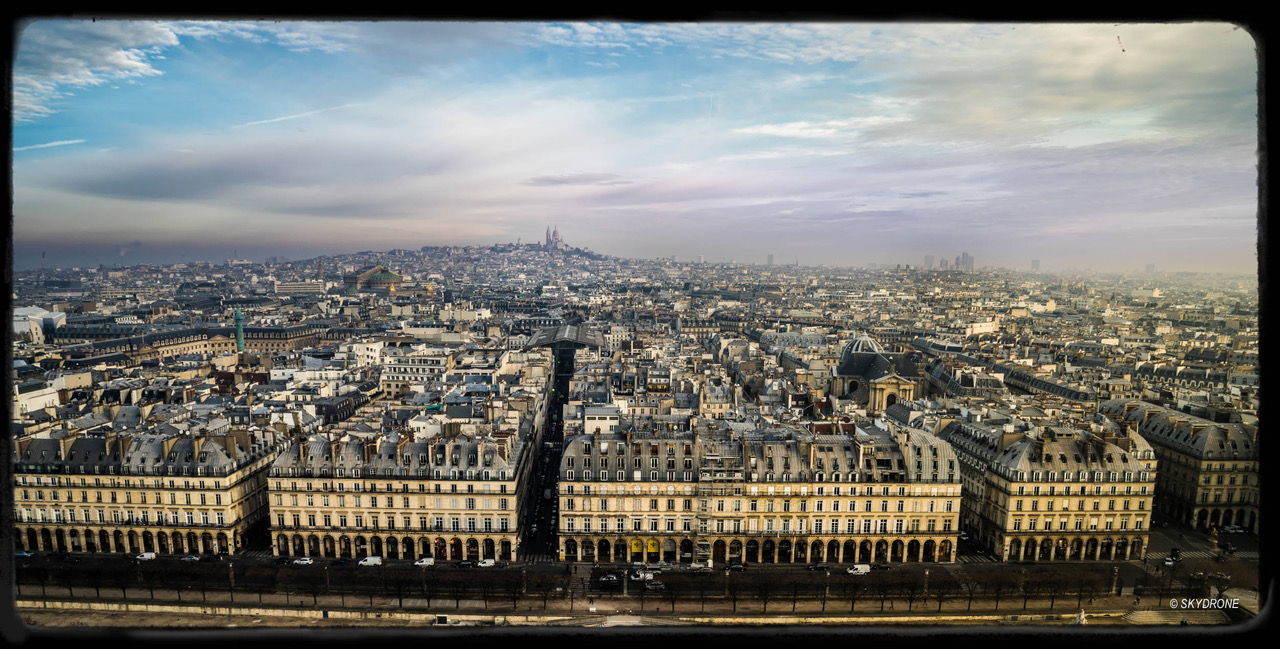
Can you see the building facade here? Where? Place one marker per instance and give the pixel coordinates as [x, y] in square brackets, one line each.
[395, 496]
[726, 497]
[147, 492]
[1211, 470]
[1055, 493]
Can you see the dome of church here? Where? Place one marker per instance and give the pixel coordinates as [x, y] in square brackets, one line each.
[863, 344]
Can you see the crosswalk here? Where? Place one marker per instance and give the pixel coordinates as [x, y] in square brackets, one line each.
[542, 558]
[1246, 555]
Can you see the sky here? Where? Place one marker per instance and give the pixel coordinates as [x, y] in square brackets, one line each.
[1105, 146]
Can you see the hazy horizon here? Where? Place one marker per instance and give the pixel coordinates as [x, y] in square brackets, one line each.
[1096, 146]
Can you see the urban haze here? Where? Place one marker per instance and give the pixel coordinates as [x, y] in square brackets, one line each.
[437, 324]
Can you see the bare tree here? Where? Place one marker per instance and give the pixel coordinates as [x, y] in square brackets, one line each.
[942, 586]
[970, 585]
[1026, 586]
[544, 586]
[1232, 574]
[794, 584]
[457, 587]
[910, 590]
[399, 583]
[883, 587]
[676, 587]
[1054, 583]
[430, 585]
[488, 584]
[764, 589]
[853, 589]
[1086, 584]
[703, 584]
[514, 587]
[999, 582]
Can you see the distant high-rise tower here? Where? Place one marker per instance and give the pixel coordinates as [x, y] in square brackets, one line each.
[959, 266]
[770, 259]
[928, 261]
[702, 259]
[1035, 265]
[548, 236]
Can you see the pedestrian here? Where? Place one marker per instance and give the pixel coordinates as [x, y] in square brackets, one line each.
[890, 605]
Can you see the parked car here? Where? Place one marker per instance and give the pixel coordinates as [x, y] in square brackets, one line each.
[821, 565]
[209, 558]
[485, 563]
[654, 587]
[609, 579]
[737, 567]
[371, 561]
[191, 557]
[858, 569]
[279, 561]
[303, 561]
[882, 566]
[704, 570]
[642, 575]
[425, 561]
[1168, 562]
[466, 563]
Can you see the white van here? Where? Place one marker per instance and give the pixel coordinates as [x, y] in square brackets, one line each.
[371, 561]
[859, 569]
[146, 556]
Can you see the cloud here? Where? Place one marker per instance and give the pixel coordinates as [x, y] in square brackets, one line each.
[792, 43]
[56, 56]
[48, 144]
[830, 128]
[298, 116]
[577, 179]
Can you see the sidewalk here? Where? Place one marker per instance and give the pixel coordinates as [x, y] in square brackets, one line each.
[580, 611]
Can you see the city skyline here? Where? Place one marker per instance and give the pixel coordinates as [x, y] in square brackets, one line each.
[1082, 146]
